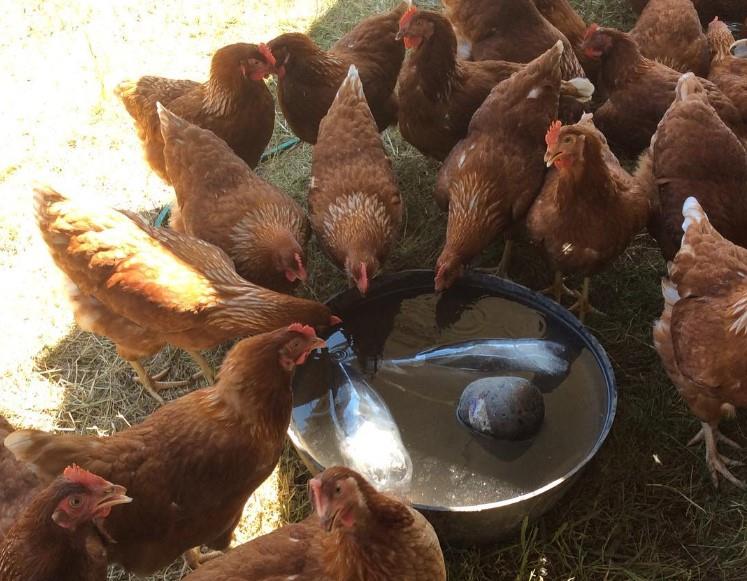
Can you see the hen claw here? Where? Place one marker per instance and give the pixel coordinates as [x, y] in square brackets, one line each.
[717, 464]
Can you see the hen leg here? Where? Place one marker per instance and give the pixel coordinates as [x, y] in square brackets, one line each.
[151, 385]
[558, 289]
[583, 306]
[502, 268]
[207, 369]
[717, 464]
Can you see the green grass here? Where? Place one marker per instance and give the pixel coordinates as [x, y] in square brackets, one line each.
[644, 509]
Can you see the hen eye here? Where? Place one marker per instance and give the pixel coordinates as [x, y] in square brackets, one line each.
[338, 489]
[75, 501]
[567, 139]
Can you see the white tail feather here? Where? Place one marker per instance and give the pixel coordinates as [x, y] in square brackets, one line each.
[584, 87]
[669, 292]
[687, 84]
[692, 212]
[739, 48]
[353, 81]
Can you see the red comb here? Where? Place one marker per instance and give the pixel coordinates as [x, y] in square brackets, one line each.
[267, 53]
[407, 16]
[76, 474]
[303, 329]
[551, 137]
[591, 30]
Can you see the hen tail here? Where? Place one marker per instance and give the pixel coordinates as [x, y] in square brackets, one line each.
[48, 454]
[693, 213]
[171, 125]
[351, 85]
[580, 89]
[688, 87]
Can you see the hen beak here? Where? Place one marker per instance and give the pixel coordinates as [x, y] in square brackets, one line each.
[551, 157]
[112, 496]
[400, 34]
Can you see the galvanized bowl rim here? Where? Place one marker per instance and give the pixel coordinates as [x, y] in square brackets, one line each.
[527, 297]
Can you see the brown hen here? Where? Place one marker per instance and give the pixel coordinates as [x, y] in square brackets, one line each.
[669, 31]
[701, 336]
[145, 287]
[19, 484]
[438, 93]
[308, 77]
[354, 201]
[357, 534]
[639, 91]
[61, 536]
[492, 176]
[693, 153]
[221, 200]
[589, 207]
[371, 536]
[511, 30]
[728, 72]
[562, 15]
[192, 464]
[234, 103]
[709, 9]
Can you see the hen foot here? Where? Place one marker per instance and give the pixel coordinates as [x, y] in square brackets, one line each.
[583, 306]
[194, 557]
[717, 464]
[558, 290]
[207, 369]
[151, 383]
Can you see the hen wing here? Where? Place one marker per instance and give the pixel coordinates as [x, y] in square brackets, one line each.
[152, 276]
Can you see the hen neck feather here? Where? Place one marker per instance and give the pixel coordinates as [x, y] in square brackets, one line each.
[264, 230]
[356, 221]
[435, 62]
[253, 390]
[591, 181]
[623, 64]
[246, 308]
[314, 65]
[224, 96]
[720, 44]
[474, 214]
[738, 312]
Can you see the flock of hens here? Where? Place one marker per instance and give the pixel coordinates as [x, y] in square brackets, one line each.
[500, 91]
